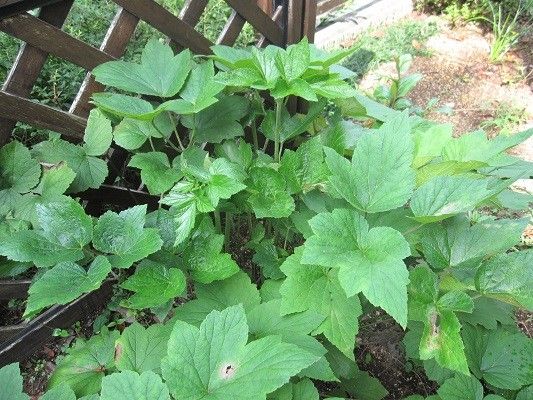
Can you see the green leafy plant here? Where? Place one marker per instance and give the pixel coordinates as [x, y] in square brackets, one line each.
[505, 30]
[395, 95]
[343, 208]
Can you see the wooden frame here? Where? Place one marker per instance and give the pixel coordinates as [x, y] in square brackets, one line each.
[42, 35]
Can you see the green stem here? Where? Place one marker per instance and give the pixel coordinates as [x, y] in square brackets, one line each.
[254, 136]
[277, 153]
[218, 222]
[151, 143]
[227, 230]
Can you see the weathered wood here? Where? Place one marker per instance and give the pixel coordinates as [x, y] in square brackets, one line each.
[327, 5]
[29, 63]
[7, 332]
[53, 40]
[309, 20]
[14, 7]
[295, 14]
[41, 116]
[276, 17]
[14, 289]
[120, 196]
[192, 10]
[266, 5]
[163, 20]
[115, 42]
[256, 17]
[40, 330]
[232, 29]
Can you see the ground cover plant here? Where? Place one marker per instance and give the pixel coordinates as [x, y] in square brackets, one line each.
[349, 207]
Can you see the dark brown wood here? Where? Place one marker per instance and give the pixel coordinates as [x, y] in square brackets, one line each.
[41, 116]
[261, 21]
[327, 5]
[295, 15]
[232, 29]
[53, 40]
[109, 194]
[163, 20]
[39, 331]
[14, 7]
[192, 10]
[14, 289]
[309, 20]
[276, 17]
[266, 5]
[115, 42]
[29, 63]
[7, 332]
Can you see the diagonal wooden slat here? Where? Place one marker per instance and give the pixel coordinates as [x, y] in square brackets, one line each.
[14, 7]
[192, 10]
[53, 40]
[276, 17]
[163, 20]
[114, 44]
[232, 29]
[42, 116]
[259, 20]
[29, 63]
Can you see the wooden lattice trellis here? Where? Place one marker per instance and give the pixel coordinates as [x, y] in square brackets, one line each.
[277, 22]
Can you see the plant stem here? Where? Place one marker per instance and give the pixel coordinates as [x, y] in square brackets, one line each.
[227, 230]
[277, 152]
[254, 136]
[218, 223]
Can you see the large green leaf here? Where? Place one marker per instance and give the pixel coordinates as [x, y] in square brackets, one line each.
[304, 169]
[205, 260]
[461, 387]
[52, 287]
[64, 221]
[129, 385]
[430, 138]
[11, 383]
[141, 349]
[369, 260]
[219, 121]
[266, 319]
[124, 237]
[507, 276]
[133, 133]
[35, 247]
[507, 361]
[294, 61]
[62, 392]
[446, 196]
[477, 147]
[98, 134]
[127, 106]
[270, 198]
[90, 171]
[237, 289]
[441, 340]
[215, 362]
[455, 241]
[156, 172]
[85, 364]
[311, 287]
[380, 177]
[199, 91]
[19, 173]
[153, 285]
[441, 337]
[161, 73]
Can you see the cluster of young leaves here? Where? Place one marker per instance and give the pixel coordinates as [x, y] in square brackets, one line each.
[342, 216]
